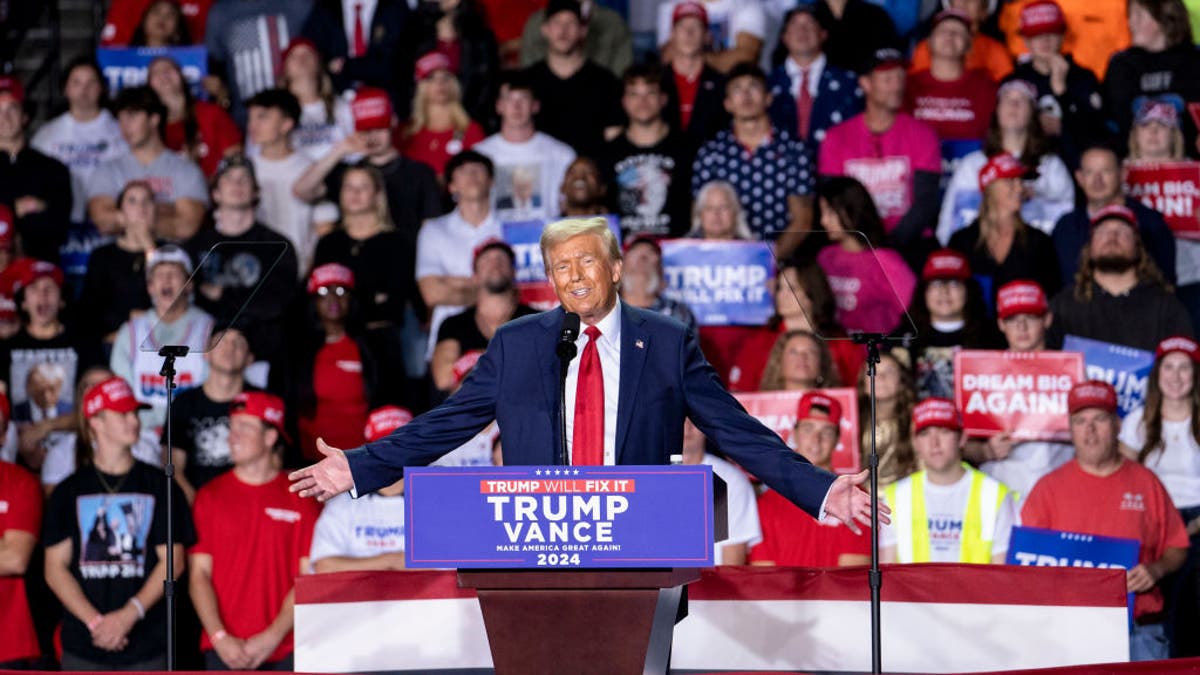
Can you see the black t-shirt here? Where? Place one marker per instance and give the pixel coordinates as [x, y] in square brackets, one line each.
[1141, 318]
[114, 286]
[651, 185]
[578, 109]
[384, 277]
[462, 328]
[58, 360]
[200, 427]
[32, 174]
[114, 524]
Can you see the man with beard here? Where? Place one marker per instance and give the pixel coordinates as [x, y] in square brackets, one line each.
[1120, 295]
[462, 338]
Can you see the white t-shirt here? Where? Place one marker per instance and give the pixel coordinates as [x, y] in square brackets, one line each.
[1177, 465]
[741, 506]
[1187, 261]
[726, 18]
[317, 134]
[945, 507]
[82, 146]
[537, 166]
[446, 247]
[60, 454]
[280, 210]
[1027, 463]
[475, 452]
[359, 528]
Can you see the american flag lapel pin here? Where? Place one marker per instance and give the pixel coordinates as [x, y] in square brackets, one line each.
[640, 344]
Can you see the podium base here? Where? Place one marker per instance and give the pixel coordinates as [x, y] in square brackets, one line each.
[579, 622]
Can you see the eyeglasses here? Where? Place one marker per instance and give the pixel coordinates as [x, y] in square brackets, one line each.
[339, 291]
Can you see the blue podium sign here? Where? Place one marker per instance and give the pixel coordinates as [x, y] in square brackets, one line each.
[566, 517]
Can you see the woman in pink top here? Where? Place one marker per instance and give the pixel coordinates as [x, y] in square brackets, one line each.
[872, 283]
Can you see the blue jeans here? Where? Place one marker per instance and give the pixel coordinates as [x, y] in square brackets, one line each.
[1148, 642]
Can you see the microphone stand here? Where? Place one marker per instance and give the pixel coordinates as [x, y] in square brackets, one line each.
[169, 354]
[566, 351]
[874, 576]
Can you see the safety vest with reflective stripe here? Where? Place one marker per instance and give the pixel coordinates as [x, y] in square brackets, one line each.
[907, 499]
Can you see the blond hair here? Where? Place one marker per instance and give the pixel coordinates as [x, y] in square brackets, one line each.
[557, 232]
[459, 119]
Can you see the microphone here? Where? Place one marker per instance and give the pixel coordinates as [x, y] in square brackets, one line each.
[566, 348]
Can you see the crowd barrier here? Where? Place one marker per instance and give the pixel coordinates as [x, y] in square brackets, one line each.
[937, 618]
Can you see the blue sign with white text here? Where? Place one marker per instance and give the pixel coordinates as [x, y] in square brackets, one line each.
[724, 283]
[559, 516]
[1037, 547]
[1125, 368]
[126, 66]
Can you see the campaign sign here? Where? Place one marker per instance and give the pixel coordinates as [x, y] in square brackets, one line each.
[724, 283]
[525, 236]
[1022, 393]
[1125, 368]
[1172, 189]
[777, 411]
[1037, 547]
[559, 516]
[888, 179]
[126, 66]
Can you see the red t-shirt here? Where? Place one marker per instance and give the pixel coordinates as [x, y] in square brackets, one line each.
[957, 110]
[738, 353]
[792, 538]
[215, 133]
[687, 88]
[341, 395]
[435, 148]
[125, 15]
[507, 18]
[256, 535]
[1130, 503]
[20, 509]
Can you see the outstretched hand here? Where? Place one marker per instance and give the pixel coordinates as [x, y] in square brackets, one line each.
[848, 503]
[327, 478]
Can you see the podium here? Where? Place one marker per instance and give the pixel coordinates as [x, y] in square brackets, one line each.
[578, 570]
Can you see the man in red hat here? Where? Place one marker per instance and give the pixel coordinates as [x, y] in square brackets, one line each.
[1100, 492]
[105, 537]
[1119, 295]
[947, 512]
[695, 90]
[791, 537]
[367, 534]
[741, 30]
[947, 95]
[252, 540]
[37, 188]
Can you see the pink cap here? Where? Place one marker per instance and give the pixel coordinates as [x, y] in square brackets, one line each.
[1000, 166]
[946, 264]
[330, 274]
[385, 420]
[1040, 17]
[817, 406]
[1020, 297]
[935, 412]
[1178, 343]
[112, 394]
[429, 64]
[1092, 394]
[372, 109]
[688, 8]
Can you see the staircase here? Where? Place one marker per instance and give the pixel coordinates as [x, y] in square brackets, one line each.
[41, 39]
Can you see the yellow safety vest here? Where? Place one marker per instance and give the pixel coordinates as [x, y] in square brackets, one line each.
[907, 499]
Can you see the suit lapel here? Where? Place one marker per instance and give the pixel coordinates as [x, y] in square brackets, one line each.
[545, 353]
[635, 343]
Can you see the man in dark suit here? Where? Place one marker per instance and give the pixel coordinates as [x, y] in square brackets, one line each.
[652, 363]
[359, 40]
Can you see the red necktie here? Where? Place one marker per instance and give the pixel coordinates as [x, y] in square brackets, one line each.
[587, 437]
[804, 104]
[360, 42]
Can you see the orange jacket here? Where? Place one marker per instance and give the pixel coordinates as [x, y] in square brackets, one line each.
[987, 53]
[1095, 30]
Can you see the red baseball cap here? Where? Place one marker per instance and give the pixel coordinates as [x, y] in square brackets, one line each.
[1020, 297]
[1178, 343]
[951, 14]
[429, 64]
[1118, 212]
[820, 407]
[385, 420]
[8, 307]
[372, 109]
[297, 43]
[1001, 166]
[1092, 394]
[6, 227]
[935, 412]
[330, 274]
[260, 404]
[112, 394]
[685, 9]
[12, 86]
[946, 264]
[30, 270]
[1040, 17]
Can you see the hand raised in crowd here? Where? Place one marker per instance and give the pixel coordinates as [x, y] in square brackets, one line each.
[112, 631]
[848, 504]
[232, 651]
[354, 144]
[327, 478]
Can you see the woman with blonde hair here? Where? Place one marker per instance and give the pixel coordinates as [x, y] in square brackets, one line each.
[799, 361]
[439, 127]
[895, 395]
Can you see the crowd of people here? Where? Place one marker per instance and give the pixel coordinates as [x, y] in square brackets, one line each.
[320, 219]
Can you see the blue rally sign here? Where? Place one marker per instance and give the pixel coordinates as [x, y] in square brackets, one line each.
[1038, 547]
[126, 66]
[1125, 368]
[723, 282]
[559, 517]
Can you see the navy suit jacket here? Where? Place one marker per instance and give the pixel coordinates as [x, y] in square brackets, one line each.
[664, 378]
[838, 99]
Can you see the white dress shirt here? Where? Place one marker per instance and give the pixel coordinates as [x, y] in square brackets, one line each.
[814, 75]
[368, 15]
[608, 345]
